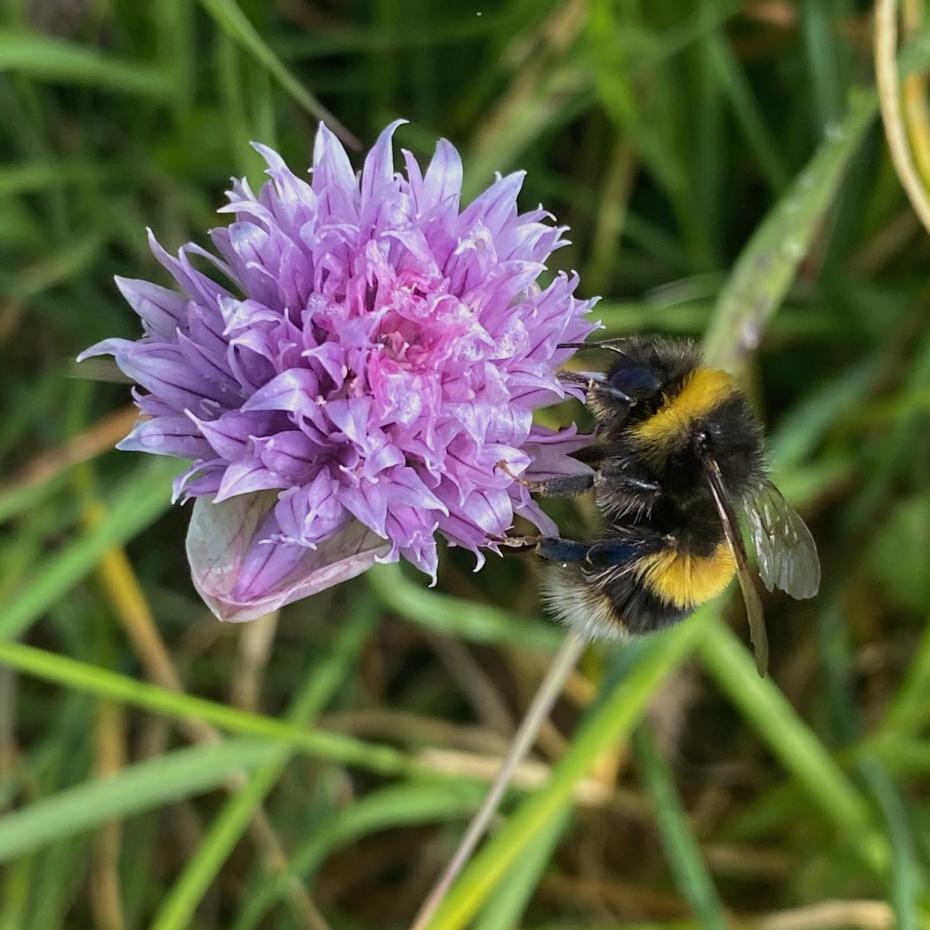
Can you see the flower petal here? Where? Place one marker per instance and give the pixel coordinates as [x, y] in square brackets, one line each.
[172, 435]
[442, 184]
[246, 477]
[331, 165]
[294, 391]
[161, 309]
[379, 165]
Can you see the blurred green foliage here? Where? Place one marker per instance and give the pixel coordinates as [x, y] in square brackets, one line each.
[723, 172]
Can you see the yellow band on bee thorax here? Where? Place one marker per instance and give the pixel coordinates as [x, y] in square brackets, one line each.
[704, 389]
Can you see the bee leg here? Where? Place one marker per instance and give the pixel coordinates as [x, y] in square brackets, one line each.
[562, 485]
[557, 486]
[620, 493]
[556, 549]
[625, 550]
[551, 548]
[630, 484]
[516, 543]
[596, 387]
[582, 379]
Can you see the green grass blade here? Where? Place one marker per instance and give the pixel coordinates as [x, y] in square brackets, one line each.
[136, 788]
[747, 111]
[20, 498]
[323, 678]
[618, 94]
[562, 94]
[16, 891]
[239, 126]
[141, 500]
[230, 18]
[46, 59]
[678, 839]
[57, 267]
[769, 262]
[613, 720]
[51, 899]
[173, 24]
[505, 910]
[40, 173]
[789, 738]
[80, 676]
[905, 872]
[820, 40]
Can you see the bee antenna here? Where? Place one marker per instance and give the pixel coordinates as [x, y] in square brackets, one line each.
[611, 345]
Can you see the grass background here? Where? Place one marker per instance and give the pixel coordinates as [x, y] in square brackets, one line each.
[718, 162]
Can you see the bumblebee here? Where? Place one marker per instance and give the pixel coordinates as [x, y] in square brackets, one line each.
[678, 459]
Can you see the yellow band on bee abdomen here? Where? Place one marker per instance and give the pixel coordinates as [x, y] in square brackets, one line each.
[684, 580]
[703, 390]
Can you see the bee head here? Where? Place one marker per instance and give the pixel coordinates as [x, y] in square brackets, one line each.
[637, 381]
[649, 369]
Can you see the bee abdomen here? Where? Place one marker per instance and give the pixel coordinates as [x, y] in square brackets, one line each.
[582, 606]
[614, 608]
[652, 591]
[682, 579]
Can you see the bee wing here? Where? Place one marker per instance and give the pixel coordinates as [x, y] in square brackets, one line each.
[785, 549]
[754, 614]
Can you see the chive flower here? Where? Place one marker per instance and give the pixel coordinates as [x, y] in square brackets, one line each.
[347, 378]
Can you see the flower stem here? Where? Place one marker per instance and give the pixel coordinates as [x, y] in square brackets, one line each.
[561, 667]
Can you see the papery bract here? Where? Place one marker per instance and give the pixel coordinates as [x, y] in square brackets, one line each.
[371, 355]
[241, 575]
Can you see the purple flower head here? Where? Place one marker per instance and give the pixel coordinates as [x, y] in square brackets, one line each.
[374, 351]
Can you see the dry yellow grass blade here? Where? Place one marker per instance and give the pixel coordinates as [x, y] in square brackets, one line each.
[916, 114]
[889, 91]
[106, 898]
[99, 438]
